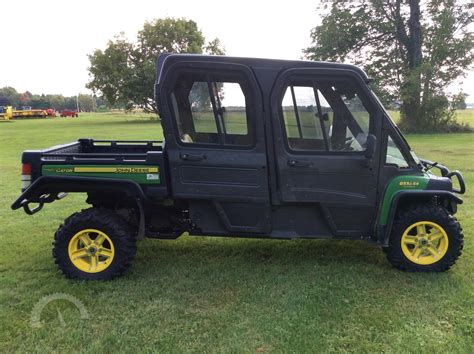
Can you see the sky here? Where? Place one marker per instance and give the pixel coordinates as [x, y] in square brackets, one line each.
[45, 43]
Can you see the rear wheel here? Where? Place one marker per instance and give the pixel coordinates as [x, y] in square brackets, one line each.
[425, 238]
[94, 244]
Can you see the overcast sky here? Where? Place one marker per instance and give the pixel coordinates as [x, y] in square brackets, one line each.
[45, 43]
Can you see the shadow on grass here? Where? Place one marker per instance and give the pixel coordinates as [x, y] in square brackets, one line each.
[259, 252]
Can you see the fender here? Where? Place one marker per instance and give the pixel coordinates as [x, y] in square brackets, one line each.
[383, 230]
[47, 189]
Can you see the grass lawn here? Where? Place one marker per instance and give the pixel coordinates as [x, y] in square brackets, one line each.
[217, 294]
[465, 116]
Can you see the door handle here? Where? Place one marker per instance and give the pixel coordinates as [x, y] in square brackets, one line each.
[296, 163]
[192, 157]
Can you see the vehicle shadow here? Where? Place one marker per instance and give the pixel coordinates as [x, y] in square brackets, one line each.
[161, 255]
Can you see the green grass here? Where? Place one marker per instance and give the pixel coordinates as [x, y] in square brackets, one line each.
[224, 295]
[465, 116]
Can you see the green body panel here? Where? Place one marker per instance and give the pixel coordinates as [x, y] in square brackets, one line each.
[398, 184]
[142, 174]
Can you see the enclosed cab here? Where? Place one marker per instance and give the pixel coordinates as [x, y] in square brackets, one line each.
[255, 148]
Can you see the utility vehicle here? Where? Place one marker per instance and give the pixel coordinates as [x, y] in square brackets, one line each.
[253, 148]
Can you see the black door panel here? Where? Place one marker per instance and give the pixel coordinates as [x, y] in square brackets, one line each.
[239, 175]
[224, 176]
[327, 179]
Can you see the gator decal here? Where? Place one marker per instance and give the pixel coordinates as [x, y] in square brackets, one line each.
[400, 183]
[138, 173]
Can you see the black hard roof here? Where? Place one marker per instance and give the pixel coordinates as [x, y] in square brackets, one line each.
[165, 60]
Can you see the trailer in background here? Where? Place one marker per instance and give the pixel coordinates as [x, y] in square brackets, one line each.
[27, 112]
[8, 112]
[69, 113]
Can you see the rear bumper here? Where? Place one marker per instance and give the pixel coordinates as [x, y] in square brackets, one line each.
[47, 189]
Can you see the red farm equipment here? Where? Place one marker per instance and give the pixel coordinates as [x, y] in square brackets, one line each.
[69, 113]
[50, 112]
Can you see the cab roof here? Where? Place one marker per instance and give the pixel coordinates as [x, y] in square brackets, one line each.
[256, 64]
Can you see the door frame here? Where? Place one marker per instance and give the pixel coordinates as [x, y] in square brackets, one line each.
[228, 175]
[283, 152]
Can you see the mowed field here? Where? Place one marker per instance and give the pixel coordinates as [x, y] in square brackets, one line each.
[225, 294]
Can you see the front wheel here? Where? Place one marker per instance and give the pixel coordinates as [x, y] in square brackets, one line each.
[424, 238]
[94, 244]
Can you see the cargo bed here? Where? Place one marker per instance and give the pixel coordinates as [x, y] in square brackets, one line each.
[93, 165]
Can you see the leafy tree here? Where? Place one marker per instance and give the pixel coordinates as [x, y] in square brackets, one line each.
[9, 96]
[86, 103]
[38, 102]
[413, 50]
[459, 101]
[70, 103]
[101, 101]
[25, 99]
[57, 102]
[124, 72]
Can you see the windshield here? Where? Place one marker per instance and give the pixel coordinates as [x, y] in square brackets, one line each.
[394, 155]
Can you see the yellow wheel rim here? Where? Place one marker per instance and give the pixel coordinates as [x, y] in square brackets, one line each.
[91, 251]
[424, 242]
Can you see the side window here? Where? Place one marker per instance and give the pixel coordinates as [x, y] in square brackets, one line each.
[210, 110]
[354, 121]
[233, 109]
[303, 129]
[201, 109]
[394, 155]
[325, 115]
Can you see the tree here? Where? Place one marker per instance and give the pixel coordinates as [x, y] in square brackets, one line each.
[86, 103]
[70, 103]
[414, 51]
[124, 73]
[459, 101]
[38, 102]
[9, 96]
[57, 102]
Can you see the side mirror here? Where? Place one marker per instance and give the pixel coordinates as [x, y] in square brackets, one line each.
[370, 146]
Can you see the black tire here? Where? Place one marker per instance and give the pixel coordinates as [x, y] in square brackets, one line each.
[103, 220]
[424, 212]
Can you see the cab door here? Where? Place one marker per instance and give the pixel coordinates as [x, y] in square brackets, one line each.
[216, 161]
[324, 121]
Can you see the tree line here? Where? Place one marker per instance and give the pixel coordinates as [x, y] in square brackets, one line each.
[9, 96]
[412, 50]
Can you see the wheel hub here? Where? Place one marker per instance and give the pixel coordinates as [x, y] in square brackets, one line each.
[91, 251]
[424, 242]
